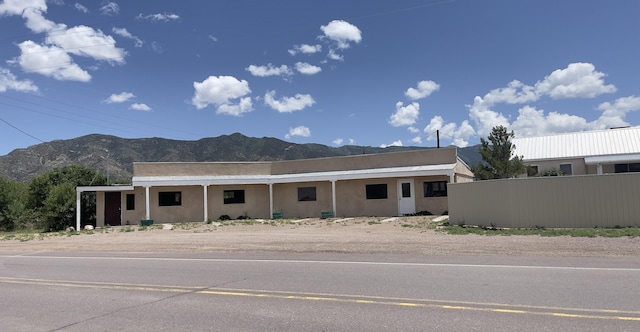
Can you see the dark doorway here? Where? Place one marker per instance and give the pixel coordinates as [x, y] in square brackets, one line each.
[112, 206]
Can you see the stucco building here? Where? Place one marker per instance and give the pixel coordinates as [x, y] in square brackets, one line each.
[387, 184]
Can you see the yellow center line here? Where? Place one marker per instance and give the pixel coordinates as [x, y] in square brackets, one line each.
[345, 298]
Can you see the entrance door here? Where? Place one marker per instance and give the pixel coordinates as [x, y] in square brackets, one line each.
[112, 205]
[406, 199]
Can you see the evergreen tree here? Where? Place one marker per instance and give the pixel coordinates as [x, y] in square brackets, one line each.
[497, 161]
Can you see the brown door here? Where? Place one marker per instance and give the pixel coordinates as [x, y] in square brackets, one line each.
[112, 204]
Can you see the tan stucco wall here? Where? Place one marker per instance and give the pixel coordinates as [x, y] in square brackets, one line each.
[578, 165]
[256, 203]
[133, 217]
[351, 199]
[201, 169]
[286, 199]
[192, 208]
[383, 160]
[435, 205]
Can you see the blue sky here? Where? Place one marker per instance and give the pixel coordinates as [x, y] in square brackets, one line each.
[373, 73]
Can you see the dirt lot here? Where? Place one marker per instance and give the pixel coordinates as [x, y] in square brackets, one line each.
[359, 235]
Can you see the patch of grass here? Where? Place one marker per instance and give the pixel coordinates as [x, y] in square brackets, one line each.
[541, 231]
[374, 222]
[126, 229]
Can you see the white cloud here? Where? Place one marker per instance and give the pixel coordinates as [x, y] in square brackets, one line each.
[50, 61]
[338, 141]
[214, 38]
[459, 136]
[227, 93]
[335, 56]
[81, 8]
[119, 97]
[424, 89]
[578, 80]
[288, 104]
[417, 140]
[395, 143]
[298, 131]
[307, 69]
[85, 41]
[140, 107]
[36, 22]
[110, 8]
[342, 32]
[534, 122]
[613, 115]
[17, 7]
[269, 70]
[8, 81]
[123, 32]
[405, 115]
[165, 17]
[305, 49]
[413, 129]
[352, 141]
[515, 92]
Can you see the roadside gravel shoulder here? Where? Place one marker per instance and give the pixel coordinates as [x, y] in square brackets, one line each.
[403, 235]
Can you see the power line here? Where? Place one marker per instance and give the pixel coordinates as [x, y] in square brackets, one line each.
[20, 130]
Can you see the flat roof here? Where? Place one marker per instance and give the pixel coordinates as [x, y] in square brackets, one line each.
[425, 170]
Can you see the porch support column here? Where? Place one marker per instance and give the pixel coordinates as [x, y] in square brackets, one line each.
[147, 214]
[270, 200]
[206, 202]
[599, 168]
[452, 178]
[78, 208]
[333, 197]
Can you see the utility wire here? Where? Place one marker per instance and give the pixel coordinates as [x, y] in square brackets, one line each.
[20, 130]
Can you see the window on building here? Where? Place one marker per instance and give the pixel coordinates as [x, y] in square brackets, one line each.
[169, 198]
[532, 170]
[377, 191]
[306, 194]
[131, 201]
[406, 189]
[233, 196]
[566, 169]
[435, 189]
[627, 168]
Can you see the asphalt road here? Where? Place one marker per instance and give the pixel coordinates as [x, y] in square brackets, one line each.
[316, 292]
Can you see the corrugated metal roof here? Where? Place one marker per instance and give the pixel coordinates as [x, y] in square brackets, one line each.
[618, 141]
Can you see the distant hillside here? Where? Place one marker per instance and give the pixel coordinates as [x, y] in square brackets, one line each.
[115, 156]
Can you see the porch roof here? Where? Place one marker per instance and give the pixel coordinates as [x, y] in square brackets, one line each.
[391, 172]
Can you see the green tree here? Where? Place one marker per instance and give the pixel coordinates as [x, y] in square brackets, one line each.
[59, 208]
[12, 203]
[498, 161]
[53, 195]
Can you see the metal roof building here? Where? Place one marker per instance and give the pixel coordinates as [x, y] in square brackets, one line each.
[592, 148]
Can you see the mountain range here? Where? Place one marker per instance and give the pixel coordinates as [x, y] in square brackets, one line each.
[114, 156]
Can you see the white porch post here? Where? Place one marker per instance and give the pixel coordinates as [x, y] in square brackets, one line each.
[333, 197]
[270, 200]
[78, 208]
[147, 214]
[599, 168]
[206, 202]
[452, 178]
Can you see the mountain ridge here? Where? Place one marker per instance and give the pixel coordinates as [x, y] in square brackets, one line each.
[114, 156]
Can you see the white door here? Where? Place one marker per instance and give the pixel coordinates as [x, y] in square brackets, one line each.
[406, 199]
